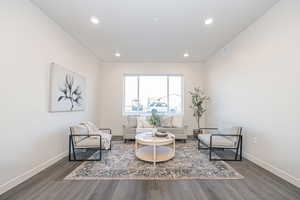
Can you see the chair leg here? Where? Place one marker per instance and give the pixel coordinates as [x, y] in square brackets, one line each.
[199, 146]
[210, 148]
[70, 148]
[74, 154]
[237, 157]
[237, 151]
[100, 153]
[73, 149]
[241, 149]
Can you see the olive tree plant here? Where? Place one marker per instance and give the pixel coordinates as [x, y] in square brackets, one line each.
[199, 102]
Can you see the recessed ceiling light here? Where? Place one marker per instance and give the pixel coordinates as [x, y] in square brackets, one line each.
[155, 19]
[117, 54]
[209, 21]
[186, 55]
[94, 20]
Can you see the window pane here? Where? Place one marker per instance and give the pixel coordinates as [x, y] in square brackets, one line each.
[175, 94]
[131, 94]
[153, 94]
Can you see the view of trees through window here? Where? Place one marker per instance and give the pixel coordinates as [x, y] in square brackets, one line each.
[148, 93]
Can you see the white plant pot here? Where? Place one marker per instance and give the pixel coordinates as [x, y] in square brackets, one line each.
[154, 131]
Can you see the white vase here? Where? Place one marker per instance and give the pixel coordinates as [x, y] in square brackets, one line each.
[154, 131]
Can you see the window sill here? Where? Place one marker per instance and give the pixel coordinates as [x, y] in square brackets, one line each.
[149, 114]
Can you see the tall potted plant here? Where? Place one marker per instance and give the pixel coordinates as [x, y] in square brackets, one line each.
[199, 101]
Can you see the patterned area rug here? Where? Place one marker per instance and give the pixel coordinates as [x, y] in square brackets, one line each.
[121, 164]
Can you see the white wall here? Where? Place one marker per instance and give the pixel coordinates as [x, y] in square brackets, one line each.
[255, 83]
[32, 138]
[111, 83]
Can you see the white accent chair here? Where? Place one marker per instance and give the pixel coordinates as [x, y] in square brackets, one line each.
[88, 136]
[230, 138]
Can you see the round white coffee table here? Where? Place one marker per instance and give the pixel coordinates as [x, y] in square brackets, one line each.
[154, 149]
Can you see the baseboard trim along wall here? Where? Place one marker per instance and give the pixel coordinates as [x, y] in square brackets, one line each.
[282, 174]
[30, 173]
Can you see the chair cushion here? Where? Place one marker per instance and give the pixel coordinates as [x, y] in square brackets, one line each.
[231, 131]
[142, 130]
[177, 121]
[146, 122]
[94, 141]
[217, 141]
[131, 121]
[129, 131]
[105, 138]
[173, 130]
[90, 142]
[79, 130]
[166, 121]
[143, 122]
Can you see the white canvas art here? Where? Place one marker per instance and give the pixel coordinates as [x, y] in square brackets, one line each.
[67, 90]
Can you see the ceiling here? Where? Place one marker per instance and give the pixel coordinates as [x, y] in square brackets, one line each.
[154, 30]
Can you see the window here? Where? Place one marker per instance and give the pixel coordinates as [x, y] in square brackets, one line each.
[144, 94]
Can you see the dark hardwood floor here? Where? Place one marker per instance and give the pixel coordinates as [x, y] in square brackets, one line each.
[258, 184]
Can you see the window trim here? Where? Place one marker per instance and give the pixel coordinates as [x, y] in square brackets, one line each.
[138, 91]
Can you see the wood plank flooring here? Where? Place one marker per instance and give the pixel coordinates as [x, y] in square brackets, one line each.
[258, 184]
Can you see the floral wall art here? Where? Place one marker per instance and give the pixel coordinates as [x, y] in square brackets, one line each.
[67, 90]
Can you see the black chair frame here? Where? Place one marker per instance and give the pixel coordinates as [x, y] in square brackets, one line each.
[238, 149]
[72, 147]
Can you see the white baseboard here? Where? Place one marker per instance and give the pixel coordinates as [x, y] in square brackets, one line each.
[279, 172]
[23, 177]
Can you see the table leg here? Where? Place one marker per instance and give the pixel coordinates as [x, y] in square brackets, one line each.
[174, 147]
[136, 145]
[154, 155]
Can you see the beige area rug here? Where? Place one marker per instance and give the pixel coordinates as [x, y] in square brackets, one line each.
[120, 163]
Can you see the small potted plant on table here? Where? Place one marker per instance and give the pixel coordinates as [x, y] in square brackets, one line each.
[154, 121]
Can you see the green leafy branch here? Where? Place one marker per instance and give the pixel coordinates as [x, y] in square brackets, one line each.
[154, 120]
